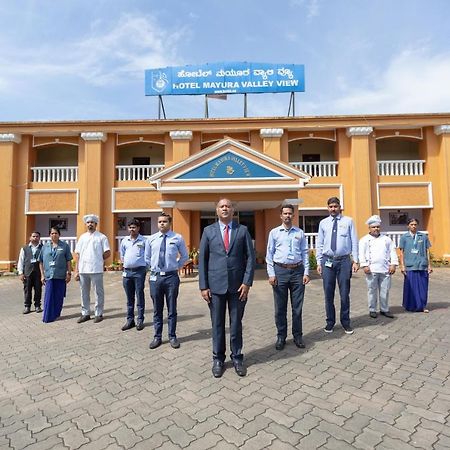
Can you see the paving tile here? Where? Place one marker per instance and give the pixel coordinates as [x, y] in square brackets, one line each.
[87, 386]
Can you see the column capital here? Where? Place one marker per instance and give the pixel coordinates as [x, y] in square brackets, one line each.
[166, 203]
[358, 131]
[11, 137]
[442, 129]
[181, 135]
[93, 136]
[271, 132]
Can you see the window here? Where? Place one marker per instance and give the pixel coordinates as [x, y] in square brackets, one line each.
[141, 161]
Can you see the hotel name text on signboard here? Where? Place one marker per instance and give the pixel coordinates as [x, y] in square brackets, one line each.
[225, 78]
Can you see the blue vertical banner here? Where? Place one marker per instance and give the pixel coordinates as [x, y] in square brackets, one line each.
[225, 78]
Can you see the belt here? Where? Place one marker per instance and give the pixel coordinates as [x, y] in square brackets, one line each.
[337, 258]
[288, 266]
[165, 274]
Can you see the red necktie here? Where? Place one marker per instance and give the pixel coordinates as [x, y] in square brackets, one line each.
[226, 239]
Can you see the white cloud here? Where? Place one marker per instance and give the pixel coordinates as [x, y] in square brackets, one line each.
[111, 52]
[413, 82]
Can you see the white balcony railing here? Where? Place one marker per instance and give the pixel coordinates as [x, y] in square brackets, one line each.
[137, 173]
[54, 174]
[317, 169]
[400, 167]
[72, 241]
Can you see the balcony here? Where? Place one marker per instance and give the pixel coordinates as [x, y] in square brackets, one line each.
[137, 173]
[54, 174]
[72, 241]
[317, 169]
[400, 167]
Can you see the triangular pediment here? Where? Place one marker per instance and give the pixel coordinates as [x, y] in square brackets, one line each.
[226, 165]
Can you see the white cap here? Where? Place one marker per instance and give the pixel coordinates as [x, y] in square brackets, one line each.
[374, 220]
[90, 218]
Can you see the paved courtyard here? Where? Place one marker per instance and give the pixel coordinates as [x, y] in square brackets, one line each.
[92, 386]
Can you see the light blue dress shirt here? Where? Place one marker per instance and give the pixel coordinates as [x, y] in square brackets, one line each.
[176, 252]
[346, 242]
[135, 252]
[286, 247]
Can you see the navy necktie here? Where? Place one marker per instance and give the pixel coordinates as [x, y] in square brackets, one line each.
[334, 235]
[162, 253]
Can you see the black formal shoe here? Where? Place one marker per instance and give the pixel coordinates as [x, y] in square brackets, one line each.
[280, 343]
[299, 342]
[373, 314]
[38, 309]
[27, 310]
[82, 319]
[139, 325]
[387, 314]
[240, 368]
[217, 368]
[128, 325]
[348, 329]
[98, 319]
[155, 343]
[174, 342]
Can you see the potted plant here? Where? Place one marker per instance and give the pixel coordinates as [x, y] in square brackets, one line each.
[193, 255]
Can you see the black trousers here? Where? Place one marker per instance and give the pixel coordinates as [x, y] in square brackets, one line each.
[217, 307]
[30, 283]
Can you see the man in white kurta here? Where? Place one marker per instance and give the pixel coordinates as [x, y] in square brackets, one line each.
[90, 252]
[378, 258]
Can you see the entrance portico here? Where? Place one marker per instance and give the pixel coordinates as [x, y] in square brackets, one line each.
[257, 184]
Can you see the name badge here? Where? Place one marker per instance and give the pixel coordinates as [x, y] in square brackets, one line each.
[290, 257]
[52, 263]
[34, 260]
[124, 274]
[329, 263]
[152, 277]
[414, 250]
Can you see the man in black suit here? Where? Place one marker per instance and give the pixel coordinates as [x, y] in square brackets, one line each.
[29, 272]
[226, 269]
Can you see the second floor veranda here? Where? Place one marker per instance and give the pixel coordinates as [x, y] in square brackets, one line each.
[132, 172]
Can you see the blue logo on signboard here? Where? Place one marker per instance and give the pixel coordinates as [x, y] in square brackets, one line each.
[229, 165]
[225, 78]
[160, 81]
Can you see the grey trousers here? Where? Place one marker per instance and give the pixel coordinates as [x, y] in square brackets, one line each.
[378, 285]
[85, 284]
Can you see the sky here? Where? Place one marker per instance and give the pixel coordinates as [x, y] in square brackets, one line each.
[85, 59]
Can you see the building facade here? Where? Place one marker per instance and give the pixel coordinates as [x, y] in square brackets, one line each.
[53, 173]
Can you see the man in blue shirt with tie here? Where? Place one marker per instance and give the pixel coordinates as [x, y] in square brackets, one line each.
[135, 257]
[168, 255]
[287, 261]
[336, 242]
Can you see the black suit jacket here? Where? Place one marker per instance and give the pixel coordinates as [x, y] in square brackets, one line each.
[221, 272]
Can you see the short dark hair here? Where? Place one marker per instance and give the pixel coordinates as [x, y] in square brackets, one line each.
[334, 200]
[55, 229]
[412, 219]
[169, 217]
[288, 206]
[134, 222]
[35, 232]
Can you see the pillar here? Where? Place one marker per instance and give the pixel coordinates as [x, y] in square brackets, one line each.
[357, 175]
[438, 162]
[8, 156]
[94, 175]
[272, 142]
[180, 146]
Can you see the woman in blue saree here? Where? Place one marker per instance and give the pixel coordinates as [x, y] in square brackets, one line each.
[415, 265]
[56, 270]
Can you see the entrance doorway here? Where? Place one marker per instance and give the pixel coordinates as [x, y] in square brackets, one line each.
[246, 218]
